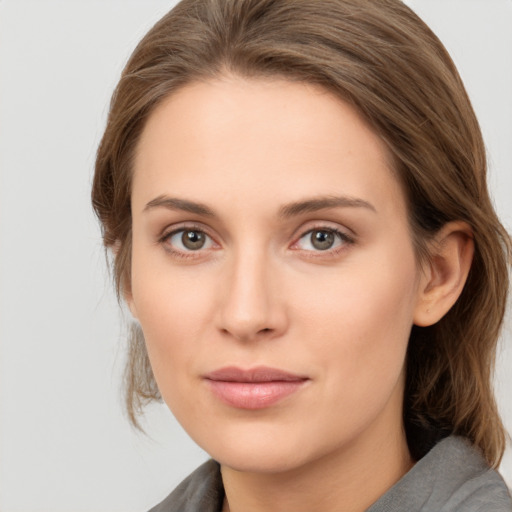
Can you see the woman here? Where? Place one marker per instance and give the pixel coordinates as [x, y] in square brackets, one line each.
[295, 196]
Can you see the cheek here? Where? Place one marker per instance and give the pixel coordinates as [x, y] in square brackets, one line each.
[173, 308]
[362, 319]
[348, 325]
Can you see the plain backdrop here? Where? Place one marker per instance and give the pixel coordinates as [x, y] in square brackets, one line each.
[64, 442]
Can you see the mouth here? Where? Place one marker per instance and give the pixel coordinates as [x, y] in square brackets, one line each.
[255, 388]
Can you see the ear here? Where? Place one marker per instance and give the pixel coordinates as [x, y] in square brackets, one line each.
[115, 247]
[444, 275]
[125, 285]
[128, 298]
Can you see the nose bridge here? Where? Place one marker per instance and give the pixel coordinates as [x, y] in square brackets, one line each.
[250, 303]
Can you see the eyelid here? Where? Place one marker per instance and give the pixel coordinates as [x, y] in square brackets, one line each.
[346, 235]
[183, 226]
[172, 230]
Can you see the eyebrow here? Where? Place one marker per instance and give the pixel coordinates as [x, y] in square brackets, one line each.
[288, 210]
[173, 203]
[323, 203]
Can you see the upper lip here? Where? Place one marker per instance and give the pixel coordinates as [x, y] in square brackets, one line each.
[257, 374]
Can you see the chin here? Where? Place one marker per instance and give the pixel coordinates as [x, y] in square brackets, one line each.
[263, 461]
[264, 448]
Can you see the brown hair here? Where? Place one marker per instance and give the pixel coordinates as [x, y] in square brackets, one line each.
[379, 56]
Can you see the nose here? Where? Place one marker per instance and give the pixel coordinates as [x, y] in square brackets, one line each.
[251, 301]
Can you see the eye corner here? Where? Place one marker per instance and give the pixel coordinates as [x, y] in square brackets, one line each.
[329, 241]
[196, 246]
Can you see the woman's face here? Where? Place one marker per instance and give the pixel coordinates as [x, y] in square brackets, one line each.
[273, 272]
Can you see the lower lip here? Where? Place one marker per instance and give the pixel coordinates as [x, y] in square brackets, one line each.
[254, 395]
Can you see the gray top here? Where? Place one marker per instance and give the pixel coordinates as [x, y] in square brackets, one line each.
[453, 476]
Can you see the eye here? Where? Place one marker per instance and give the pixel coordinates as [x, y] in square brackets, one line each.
[187, 240]
[323, 239]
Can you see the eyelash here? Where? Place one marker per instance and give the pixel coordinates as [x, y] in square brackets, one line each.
[164, 240]
[344, 239]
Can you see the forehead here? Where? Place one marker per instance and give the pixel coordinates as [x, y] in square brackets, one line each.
[263, 138]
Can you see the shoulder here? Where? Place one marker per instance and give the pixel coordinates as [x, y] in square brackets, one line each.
[452, 477]
[201, 491]
[467, 482]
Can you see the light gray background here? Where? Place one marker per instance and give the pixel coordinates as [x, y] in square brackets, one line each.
[64, 443]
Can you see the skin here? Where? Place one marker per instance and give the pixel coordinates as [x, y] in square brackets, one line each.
[259, 292]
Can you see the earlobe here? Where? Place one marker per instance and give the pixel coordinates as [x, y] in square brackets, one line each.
[115, 247]
[132, 309]
[128, 298]
[451, 255]
[125, 282]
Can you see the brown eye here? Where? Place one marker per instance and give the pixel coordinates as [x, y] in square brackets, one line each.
[193, 240]
[322, 240]
[189, 240]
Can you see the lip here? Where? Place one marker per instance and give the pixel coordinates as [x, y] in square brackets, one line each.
[254, 388]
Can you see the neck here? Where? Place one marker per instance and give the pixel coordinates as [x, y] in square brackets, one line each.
[354, 476]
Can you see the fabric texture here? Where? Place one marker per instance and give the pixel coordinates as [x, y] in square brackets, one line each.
[452, 477]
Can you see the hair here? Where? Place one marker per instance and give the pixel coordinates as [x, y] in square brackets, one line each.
[378, 56]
